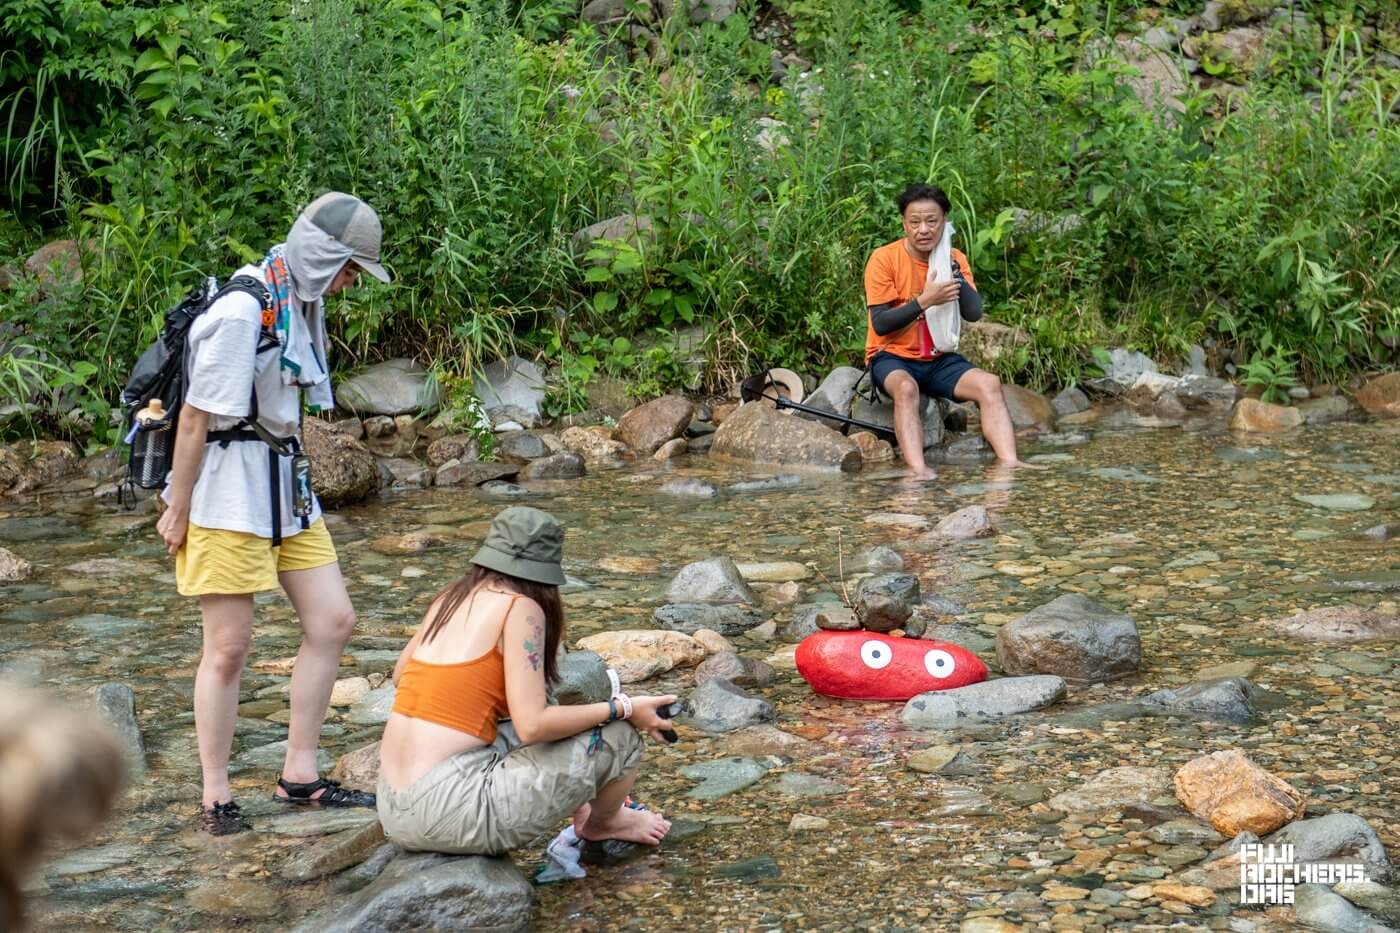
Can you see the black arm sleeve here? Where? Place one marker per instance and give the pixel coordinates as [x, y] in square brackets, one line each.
[969, 303]
[888, 318]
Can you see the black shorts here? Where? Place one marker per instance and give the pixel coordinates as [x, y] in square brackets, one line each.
[936, 377]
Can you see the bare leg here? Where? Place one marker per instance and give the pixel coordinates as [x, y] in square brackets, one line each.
[228, 630]
[327, 619]
[908, 426]
[984, 388]
[605, 817]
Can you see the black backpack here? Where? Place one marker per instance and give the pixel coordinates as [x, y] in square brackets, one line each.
[160, 374]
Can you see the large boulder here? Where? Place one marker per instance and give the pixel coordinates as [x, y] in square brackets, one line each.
[583, 678]
[511, 390]
[726, 619]
[1334, 837]
[1381, 396]
[991, 699]
[464, 448]
[648, 426]
[1209, 394]
[394, 387]
[835, 394]
[637, 230]
[1255, 416]
[1339, 624]
[58, 264]
[427, 891]
[594, 445]
[1157, 79]
[1235, 795]
[986, 343]
[343, 471]
[717, 580]
[1028, 409]
[638, 654]
[1073, 637]
[932, 412]
[719, 706]
[760, 434]
[116, 704]
[564, 465]
[885, 601]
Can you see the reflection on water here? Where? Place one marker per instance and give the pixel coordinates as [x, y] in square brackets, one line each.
[1196, 536]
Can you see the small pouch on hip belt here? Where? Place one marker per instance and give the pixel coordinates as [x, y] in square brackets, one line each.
[301, 485]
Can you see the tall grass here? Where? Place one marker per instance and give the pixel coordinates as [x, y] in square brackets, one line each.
[1268, 225]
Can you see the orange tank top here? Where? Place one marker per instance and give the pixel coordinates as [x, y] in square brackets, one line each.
[469, 696]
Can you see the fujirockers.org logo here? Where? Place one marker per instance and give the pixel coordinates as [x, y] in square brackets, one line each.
[1270, 872]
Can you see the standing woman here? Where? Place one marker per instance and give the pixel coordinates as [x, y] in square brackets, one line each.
[234, 519]
[453, 778]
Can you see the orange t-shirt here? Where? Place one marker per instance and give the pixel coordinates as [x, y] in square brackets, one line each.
[893, 276]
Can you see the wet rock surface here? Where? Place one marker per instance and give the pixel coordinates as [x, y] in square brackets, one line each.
[1073, 637]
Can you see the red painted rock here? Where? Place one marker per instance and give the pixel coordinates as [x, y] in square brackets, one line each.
[870, 666]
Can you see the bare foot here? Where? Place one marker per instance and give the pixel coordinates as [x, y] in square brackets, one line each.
[921, 476]
[1021, 465]
[643, 826]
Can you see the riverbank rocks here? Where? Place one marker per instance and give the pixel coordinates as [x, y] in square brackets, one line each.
[645, 428]
[583, 678]
[13, 568]
[374, 707]
[726, 619]
[991, 699]
[1263, 418]
[1381, 396]
[985, 342]
[1234, 794]
[739, 670]
[427, 891]
[835, 393]
[470, 473]
[637, 654]
[1224, 699]
[1316, 907]
[564, 465]
[343, 470]
[719, 706]
[881, 412]
[1339, 624]
[359, 768]
[962, 525]
[1073, 637]
[595, 445]
[463, 448]
[885, 601]
[1028, 409]
[1335, 837]
[394, 387]
[116, 704]
[1115, 788]
[333, 854]
[760, 434]
[716, 580]
[511, 389]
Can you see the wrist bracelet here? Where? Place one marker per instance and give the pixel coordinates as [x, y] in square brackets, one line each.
[612, 710]
[626, 702]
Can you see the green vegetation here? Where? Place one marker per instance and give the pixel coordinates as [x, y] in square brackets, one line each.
[179, 139]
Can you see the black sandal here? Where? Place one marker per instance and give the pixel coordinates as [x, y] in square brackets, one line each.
[223, 819]
[334, 795]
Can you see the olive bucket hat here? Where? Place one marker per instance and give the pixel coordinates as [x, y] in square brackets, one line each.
[525, 543]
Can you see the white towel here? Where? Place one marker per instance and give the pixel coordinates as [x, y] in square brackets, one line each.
[944, 321]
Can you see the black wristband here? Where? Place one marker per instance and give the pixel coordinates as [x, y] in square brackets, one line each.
[612, 710]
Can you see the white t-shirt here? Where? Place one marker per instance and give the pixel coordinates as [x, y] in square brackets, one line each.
[234, 487]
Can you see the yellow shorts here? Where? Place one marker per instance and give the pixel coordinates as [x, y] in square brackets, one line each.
[216, 562]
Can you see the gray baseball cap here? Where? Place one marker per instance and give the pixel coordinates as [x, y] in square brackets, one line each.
[354, 223]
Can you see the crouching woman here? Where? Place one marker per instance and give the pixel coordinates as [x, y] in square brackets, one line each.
[452, 777]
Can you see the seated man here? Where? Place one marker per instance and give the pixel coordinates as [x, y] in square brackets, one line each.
[899, 348]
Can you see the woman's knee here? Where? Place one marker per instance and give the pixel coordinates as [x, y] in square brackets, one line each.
[226, 656]
[331, 627]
